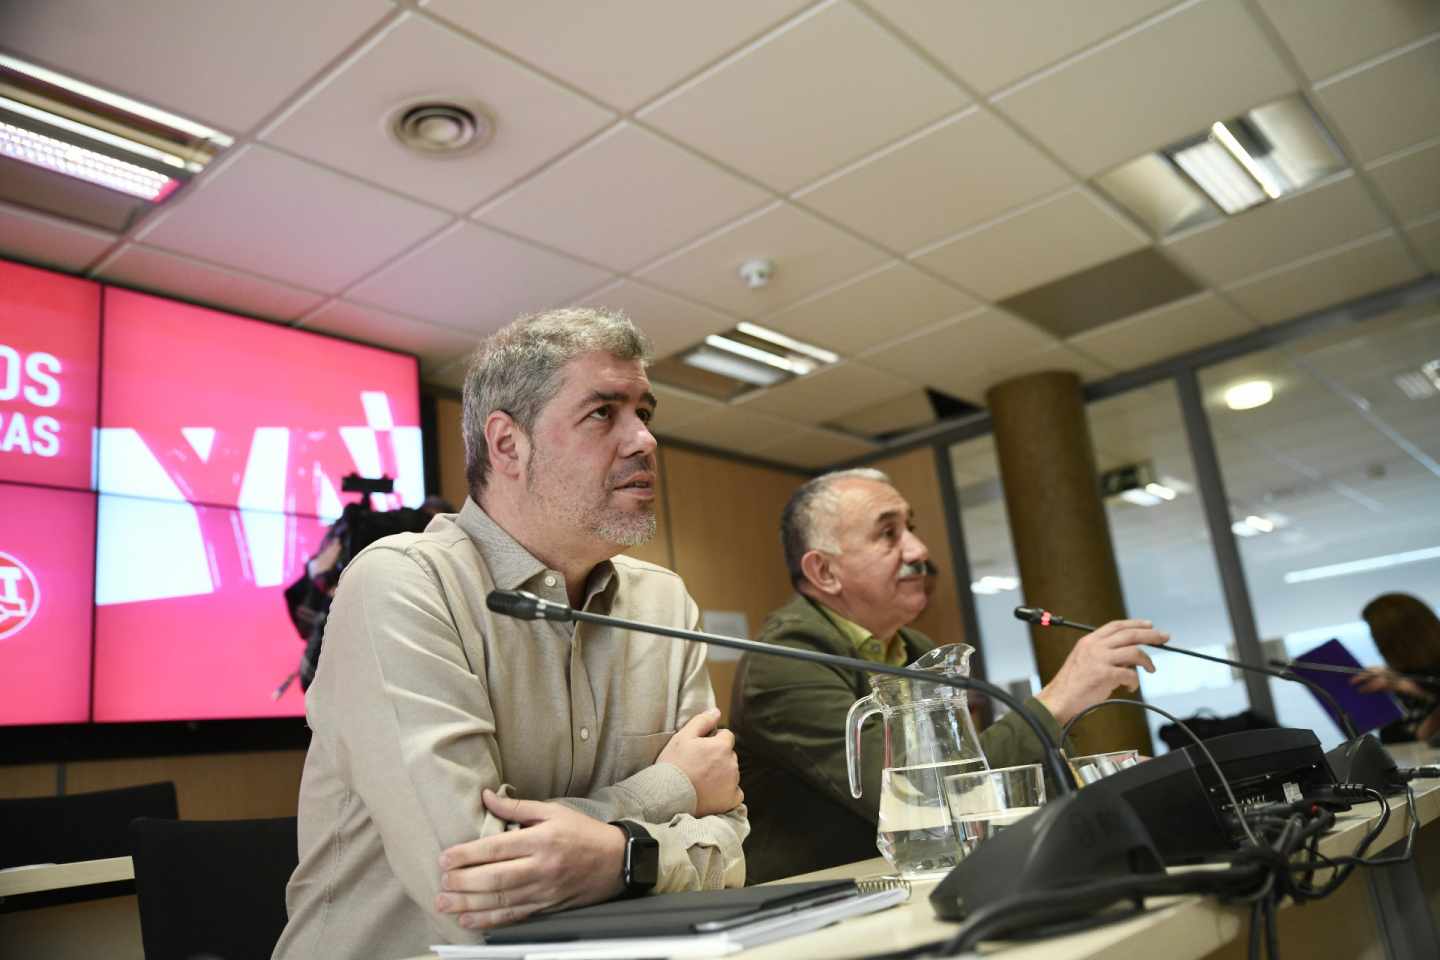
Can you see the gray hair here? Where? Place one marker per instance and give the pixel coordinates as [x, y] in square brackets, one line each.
[808, 520]
[518, 370]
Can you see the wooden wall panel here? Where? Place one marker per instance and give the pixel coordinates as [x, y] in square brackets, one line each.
[27, 780]
[450, 446]
[725, 532]
[916, 478]
[229, 786]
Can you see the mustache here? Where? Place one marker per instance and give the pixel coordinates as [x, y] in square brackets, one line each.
[640, 464]
[912, 569]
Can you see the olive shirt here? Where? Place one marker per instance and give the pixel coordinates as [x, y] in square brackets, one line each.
[424, 697]
[789, 722]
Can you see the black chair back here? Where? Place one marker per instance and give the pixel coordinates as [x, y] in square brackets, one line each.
[78, 826]
[213, 888]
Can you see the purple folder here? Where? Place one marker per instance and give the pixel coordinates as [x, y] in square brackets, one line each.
[1368, 711]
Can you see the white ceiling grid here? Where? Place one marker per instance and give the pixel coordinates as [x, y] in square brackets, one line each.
[905, 164]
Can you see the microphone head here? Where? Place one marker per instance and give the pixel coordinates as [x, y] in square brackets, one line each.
[514, 603]
[1030, 615]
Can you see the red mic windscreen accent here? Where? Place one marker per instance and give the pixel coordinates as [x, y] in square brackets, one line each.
[1044, 618]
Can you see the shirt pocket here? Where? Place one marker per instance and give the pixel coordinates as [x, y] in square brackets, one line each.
[639, 750]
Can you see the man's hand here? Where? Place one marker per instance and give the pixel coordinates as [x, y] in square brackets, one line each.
[1098, 663]
[561, 859]
[707, 757]
[1380, 680]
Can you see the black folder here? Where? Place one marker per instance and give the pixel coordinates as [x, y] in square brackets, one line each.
[674, 914]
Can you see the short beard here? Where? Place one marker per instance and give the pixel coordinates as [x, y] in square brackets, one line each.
[619, 527]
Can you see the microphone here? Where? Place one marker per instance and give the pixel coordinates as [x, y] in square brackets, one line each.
[524, 605]
[1360, 759]
[1081, 835]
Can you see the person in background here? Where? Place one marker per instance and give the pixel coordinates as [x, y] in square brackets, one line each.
[440, 728]
[859, 573]
[1408, 635]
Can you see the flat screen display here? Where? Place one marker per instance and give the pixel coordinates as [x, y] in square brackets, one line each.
[172, 470]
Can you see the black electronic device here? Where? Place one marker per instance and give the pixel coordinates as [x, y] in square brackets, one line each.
[354, 483]
[1178, 797]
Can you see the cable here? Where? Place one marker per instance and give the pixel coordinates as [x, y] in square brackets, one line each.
[1234, 804]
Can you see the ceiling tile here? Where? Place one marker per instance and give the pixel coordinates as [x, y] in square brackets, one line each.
[1163, 333]
[990, 43]
[436, 346]
[1151, 87]
[896, 196]
[808, 254]
[1059, 357]
[1049, 240]
[858, 88]
[1411, 181]
[671, 324]
[1279, 232]
[878, 307]
[451, 377]
[675, 408]
[826, 394]
[1117, 288]
[958, 355]
[224, 64]
[1327, 36]
[626, 53]
[48, 241]
[623, 200]
[345, 123]
[1426, 236]
[815, 448]
[735, 430]
[1389, 106]
[1327, 279]
[909, 411]
[214, 286]
[280, 217]
[476, 279]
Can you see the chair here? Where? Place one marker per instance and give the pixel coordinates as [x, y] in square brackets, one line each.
[212, 887]
[78, 826]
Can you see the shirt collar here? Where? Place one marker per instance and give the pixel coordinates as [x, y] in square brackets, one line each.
[514, 567]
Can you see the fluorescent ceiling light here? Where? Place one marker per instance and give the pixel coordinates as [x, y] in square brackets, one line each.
[95, 133]
[1249, 395]
[1263, 524]
[728, 364]
[98, 168]
[1362, 566]
[1242, 156]
[1242, 529]
[1216, 172]
[125, 104]
[1432, 373]
[798, 368]
[789, 343]
[1140, 498]
[1160, 490]
[1415, 385]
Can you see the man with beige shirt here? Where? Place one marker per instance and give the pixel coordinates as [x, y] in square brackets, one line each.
[440, 729]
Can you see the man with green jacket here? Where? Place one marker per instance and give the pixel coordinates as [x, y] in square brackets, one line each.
[858, 570]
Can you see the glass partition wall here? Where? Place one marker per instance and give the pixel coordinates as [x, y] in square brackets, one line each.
[1332, 486]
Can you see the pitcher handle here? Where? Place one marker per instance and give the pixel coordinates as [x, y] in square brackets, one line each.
[860, 711]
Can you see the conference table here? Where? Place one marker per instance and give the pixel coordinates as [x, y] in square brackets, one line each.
[1383, 913]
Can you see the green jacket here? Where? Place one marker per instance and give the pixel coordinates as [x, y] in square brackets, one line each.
[788, 717]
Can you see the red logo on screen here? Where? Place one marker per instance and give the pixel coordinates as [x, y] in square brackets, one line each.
[19, 595]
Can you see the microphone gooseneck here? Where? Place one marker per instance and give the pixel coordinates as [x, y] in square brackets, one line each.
[527, 606]
[1045, 618]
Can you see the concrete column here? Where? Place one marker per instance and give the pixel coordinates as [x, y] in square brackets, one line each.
[1062, 539]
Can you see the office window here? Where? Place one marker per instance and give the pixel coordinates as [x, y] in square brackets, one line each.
[994, 575]
[1334, 484]
[1167, 567]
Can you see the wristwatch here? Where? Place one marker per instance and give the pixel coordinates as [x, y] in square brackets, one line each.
[640, 870]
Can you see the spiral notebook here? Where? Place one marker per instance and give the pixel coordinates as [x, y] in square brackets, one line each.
[699, 923]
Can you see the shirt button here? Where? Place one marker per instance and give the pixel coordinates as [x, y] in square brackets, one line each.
[549, 581]
[584, 733]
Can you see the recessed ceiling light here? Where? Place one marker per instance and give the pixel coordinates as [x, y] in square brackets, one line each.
[989, 586]
[1249, 394]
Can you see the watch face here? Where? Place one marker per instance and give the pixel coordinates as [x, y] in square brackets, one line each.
[644, 863]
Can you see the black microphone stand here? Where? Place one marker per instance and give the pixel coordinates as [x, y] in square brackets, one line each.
[526, 606]
[1360, 759]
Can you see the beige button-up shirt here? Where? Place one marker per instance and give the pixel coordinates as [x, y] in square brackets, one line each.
[424, 697]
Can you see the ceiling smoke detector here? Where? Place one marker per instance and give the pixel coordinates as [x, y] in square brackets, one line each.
[441, 129]
[756, 273]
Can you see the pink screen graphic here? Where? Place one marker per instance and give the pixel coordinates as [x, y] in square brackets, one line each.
[49, 355]
[46, 554]
[222, 445]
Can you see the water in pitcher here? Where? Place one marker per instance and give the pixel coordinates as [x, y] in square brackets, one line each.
[915, 834]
